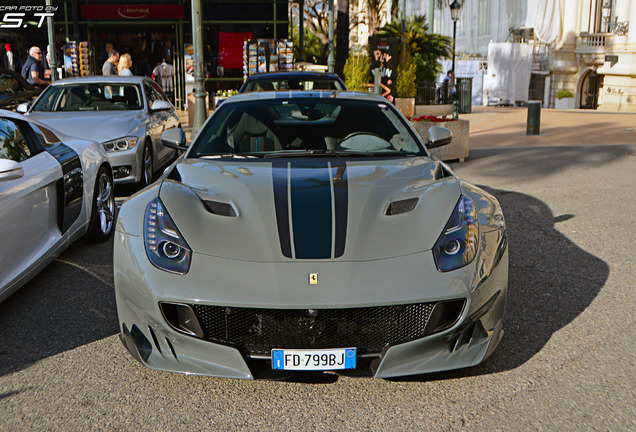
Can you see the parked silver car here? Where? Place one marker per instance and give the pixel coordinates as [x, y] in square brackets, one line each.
[54, 189]
[127, 115]
[310, 231]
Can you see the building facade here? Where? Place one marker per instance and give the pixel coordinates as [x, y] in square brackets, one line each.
[583, 46]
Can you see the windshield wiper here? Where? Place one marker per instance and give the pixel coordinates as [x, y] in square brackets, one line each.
[316, 152]
[224, 156]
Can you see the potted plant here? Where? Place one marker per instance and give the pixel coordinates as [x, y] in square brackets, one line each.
[564, 100]
[406, 88]
[356, 71]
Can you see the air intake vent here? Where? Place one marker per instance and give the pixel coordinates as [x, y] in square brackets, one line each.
[219, 208]
[402, 206]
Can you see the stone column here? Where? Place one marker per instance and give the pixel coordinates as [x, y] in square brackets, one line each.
[631, 36]
[564, 68]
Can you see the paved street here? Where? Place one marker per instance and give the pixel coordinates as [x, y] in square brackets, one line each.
[567, 361]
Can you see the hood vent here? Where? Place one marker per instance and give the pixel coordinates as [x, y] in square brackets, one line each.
[219, 208]
[402, 206]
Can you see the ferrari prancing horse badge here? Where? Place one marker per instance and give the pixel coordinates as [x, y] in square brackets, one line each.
[313, 278]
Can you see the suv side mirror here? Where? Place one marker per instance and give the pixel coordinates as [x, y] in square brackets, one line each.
[438, 136]
[174, 139]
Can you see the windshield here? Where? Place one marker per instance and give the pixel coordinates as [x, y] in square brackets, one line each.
[305, 126]
[280, 84]
[90, 97]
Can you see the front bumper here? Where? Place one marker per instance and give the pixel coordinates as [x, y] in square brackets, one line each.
[129, 158]
[140, 287]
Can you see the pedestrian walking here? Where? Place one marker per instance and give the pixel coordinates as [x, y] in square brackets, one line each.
[33, 70]
[109, 65]
[108, 47]
[124, 65]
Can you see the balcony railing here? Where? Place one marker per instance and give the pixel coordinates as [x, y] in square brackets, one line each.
[592, 43]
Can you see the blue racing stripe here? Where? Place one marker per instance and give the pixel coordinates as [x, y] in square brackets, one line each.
[311, 209]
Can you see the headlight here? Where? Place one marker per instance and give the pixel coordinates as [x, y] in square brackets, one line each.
[120, 144]
[165, 246]
[457, 245]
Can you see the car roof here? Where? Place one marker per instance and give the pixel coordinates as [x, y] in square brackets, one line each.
[102, 79]
[294, 94]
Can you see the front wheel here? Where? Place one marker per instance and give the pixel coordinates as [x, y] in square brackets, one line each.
[147, 166]
[103, 211]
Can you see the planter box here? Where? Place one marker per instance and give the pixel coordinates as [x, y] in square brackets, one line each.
[565, 103]
[434, 110]
[406, 106]
[457, 149]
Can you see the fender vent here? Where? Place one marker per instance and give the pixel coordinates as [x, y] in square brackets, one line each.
[402, 206]
[219, 208]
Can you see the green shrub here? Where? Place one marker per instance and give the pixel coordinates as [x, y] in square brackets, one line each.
[406, 86]
[564, 94]
[356, 71]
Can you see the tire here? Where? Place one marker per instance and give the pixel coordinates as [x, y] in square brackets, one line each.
[103, 209]
[147, 167]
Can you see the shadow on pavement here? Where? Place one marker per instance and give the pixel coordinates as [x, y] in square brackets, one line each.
[69, 304]
[549, 161]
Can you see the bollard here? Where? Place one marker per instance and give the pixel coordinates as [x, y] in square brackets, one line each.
[534, 118]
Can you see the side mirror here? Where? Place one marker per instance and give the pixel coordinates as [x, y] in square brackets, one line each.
[174, 139]
[23, 108]
[160, 105]
[10, 170]
[438, 136]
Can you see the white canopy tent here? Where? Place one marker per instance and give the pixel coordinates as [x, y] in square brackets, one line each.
[509, 70]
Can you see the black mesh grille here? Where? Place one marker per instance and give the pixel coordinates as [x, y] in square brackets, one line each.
[219, 208]
[257, 331]
[400, 207]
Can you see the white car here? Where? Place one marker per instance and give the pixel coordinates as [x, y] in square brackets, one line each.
[306, 231]
[54, 189]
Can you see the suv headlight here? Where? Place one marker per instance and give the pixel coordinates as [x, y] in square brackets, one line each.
[457, 246]
[120, 144]
[165, 246]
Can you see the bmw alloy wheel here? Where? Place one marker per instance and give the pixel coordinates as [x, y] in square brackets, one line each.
[105, 203]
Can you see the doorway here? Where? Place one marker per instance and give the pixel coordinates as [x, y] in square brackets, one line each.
[589, 90]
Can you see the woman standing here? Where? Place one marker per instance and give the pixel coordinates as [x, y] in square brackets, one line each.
[123, 67]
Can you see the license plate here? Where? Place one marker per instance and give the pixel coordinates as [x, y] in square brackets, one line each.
[318, 359]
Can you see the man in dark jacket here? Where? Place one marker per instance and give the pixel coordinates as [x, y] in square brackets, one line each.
[33, 71]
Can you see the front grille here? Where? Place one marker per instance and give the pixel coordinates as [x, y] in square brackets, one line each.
[257, 331]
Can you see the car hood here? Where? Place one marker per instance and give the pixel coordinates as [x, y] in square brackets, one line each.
[311, 209]
[98, 126]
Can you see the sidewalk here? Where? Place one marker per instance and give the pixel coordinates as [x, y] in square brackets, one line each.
[506, 127]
